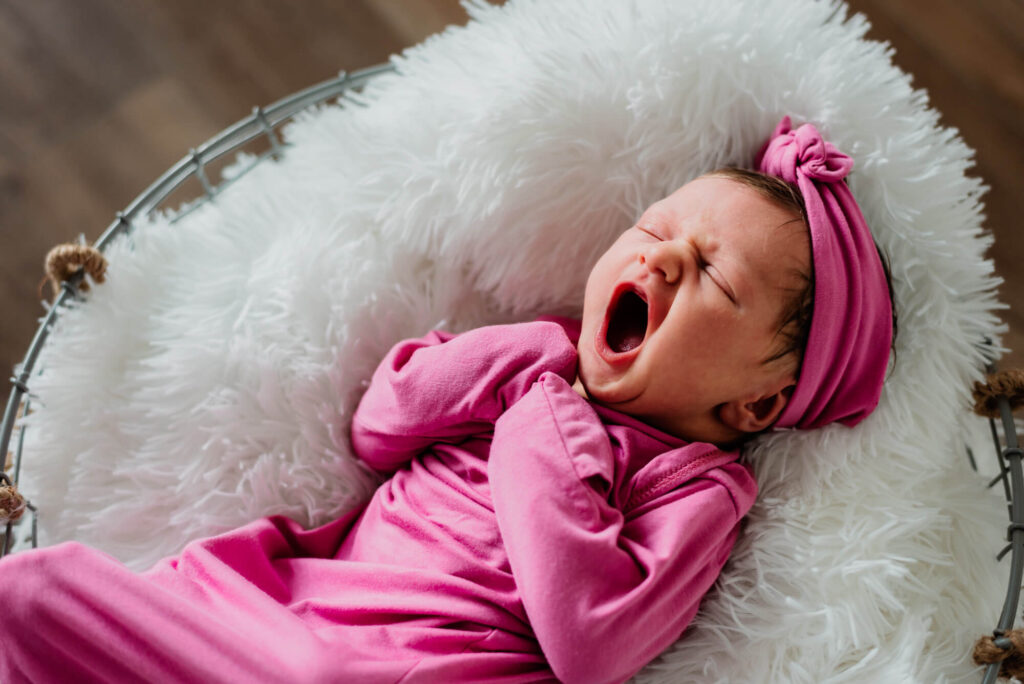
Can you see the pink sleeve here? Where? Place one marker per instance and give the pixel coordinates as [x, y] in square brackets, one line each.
[605, 594]
[444, 387]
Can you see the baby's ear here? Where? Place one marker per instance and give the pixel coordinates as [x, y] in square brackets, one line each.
[756, 413]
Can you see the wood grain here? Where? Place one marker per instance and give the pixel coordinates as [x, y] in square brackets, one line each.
[99, 98]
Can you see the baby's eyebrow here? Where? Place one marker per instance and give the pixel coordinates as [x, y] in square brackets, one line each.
[653, 215]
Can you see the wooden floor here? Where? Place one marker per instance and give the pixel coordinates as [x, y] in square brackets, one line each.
[100, 97]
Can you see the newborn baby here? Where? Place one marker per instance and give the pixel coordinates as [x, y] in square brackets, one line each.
[559, 494]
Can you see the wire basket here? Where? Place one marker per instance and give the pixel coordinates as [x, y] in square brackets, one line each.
[263, 123]
[1008, 453]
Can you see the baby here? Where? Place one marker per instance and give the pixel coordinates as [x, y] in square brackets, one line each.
[560, 494]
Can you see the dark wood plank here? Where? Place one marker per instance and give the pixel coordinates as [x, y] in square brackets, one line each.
[61, 64]
[1006, 18]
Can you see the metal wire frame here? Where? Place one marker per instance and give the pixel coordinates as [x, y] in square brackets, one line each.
[1011, 475]
[263, 122]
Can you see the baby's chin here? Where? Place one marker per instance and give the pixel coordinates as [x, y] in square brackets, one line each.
[601, 382]
[619, 393]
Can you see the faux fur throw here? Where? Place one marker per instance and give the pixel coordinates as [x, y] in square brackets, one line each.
[211, 379]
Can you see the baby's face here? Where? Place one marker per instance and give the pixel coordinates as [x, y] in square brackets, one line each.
[681, 312]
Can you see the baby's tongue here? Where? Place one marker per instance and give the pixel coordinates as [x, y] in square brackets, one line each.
[626, 342]
[628, 323]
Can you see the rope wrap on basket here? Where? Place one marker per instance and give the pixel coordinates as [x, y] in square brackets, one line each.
[64, 261]
[12, 503]
[1008, 383]
[1006, 648]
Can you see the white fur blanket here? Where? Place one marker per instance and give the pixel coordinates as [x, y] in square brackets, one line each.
[211, 379]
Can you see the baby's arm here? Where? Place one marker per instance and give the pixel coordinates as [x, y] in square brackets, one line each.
[444, 387]
[604, 593]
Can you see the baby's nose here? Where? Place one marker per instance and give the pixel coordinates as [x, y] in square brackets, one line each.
[663, 259]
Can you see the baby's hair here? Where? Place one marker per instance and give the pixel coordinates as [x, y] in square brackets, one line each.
[794, 325]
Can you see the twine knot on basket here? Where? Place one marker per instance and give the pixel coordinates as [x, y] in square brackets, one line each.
[1006, 648]
[12, 503]
[1007, 383]
[64, 261]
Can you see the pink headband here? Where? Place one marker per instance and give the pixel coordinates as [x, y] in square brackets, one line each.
[851, 330]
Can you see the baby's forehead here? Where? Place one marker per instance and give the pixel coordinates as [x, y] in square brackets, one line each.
[794, 263]
[764, 239]
[719, 188]
[713, 199]
[728, 209]
[784, 264]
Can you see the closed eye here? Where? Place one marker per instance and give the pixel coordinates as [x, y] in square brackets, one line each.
[649, 232]
[719, 279]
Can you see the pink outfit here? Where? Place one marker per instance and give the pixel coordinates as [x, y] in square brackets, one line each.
[525, 534]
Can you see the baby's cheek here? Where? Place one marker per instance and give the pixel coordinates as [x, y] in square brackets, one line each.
[718, 331]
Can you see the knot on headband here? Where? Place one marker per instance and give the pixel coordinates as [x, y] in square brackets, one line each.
[803, 151]
[847, 351]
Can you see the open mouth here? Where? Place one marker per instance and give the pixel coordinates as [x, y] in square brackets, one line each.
[627, 325]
